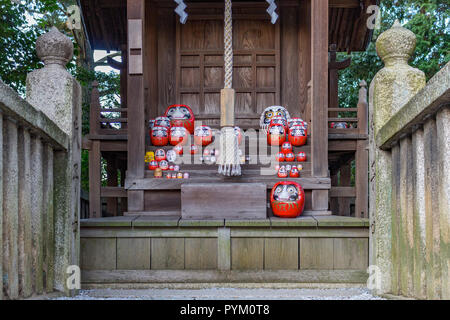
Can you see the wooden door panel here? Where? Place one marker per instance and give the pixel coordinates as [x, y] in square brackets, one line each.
[253, 35]
[200, 66]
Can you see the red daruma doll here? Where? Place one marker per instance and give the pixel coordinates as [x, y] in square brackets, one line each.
[280, 120]
[162, 122]
[286, 147]
[178, 135]
[297, 136]
[238, 132]
[203, 136]
[160, 155]
[160, 136]
[301, 157]
[181, 115]
[276, 135]
[153, 165]
[287, 199]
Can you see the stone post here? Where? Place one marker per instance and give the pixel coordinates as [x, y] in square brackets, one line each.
[392, 87]
[57, 94]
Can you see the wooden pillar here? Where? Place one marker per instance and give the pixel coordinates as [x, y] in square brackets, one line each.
[95, 180]
[319, 99]
[124, 85]
[136, 100]
[362, 157]
[95, 177]
[304, 50]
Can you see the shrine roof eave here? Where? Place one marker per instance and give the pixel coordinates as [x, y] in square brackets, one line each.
[105, 22]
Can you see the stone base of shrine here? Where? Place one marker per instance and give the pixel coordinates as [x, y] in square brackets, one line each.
[148, 250]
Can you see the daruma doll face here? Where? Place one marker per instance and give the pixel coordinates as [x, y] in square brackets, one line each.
[164, 165]
[301, 157]
[153, 165]
[287, 199]
[297, 136]
[282, 172]
[160, 136]
[286, 147]
[294, 173]
[276, 135]
[280, 157]
[270, 113]
[181, 115]
[160, 155]
[290, 157]
[203, 136]
[162, 122]
[171, 156]
[178, 135]
[280, 120]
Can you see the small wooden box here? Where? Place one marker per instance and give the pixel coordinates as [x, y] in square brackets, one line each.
[224, 201]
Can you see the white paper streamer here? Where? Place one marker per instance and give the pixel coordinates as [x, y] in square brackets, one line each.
[271, 11]
[180, 11]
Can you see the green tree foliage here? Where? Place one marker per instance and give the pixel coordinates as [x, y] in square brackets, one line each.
[21, 23]
[428, 19]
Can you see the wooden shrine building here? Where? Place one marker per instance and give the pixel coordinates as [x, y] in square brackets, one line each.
[291, 63]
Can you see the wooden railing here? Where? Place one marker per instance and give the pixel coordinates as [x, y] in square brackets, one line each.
[358, 124]
[350, 145]
[35, 183]
[103, 121]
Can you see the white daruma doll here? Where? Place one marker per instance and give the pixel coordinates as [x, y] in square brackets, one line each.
[178, 136]
[203, 136]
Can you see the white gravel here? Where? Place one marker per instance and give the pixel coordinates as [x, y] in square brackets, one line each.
[226, 294]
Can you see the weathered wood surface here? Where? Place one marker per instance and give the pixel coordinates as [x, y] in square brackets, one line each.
[136, 100]
[206, 201]
[200, 245]
[176, 184]
[213, 276]
[319, 95]
[133, 254]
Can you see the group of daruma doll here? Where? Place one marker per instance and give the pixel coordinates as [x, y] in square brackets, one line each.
[280, 127]
[177, 124]
[287, 197]
[175, 127]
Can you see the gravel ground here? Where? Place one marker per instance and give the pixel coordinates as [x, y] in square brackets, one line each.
[227, 294]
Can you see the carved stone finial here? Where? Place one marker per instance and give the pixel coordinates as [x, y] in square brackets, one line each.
[396, 44]
[54, 47]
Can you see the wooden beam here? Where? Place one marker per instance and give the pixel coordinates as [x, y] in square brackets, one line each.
[95, 208]
[304, 59]
[136, 99]
[319, 99]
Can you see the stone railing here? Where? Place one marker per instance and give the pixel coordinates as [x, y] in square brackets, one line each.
[410, 173]
[39, 176]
